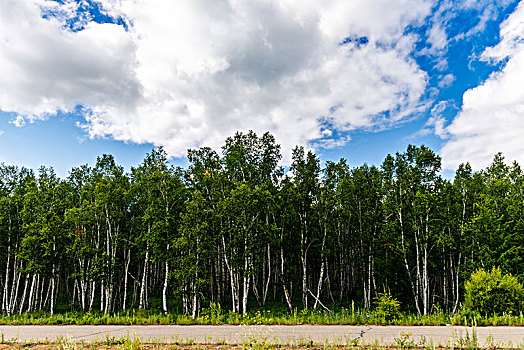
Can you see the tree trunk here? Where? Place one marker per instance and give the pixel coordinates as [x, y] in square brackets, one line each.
[266, 288]
[143, 286]
[322, 267]
[284, 286]
[164, 290]
[246, 284]
[22, 302]
[31, 294]
[303, 259]
[126, 274]
[52, 301]
[92, 299]
[5, 300]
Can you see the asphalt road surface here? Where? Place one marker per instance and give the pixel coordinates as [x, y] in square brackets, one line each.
[292, 335]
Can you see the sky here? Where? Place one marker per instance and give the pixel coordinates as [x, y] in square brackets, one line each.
[354, 79]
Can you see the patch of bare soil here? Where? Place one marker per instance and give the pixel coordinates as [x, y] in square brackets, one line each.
[157, 346]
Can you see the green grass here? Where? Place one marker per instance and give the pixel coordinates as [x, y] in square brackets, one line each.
[216, 315]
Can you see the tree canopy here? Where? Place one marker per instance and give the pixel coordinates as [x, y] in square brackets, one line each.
[238, 229]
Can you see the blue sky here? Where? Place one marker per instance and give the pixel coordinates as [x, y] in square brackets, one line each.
[355, 79]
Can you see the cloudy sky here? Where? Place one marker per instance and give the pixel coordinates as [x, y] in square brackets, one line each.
[348, 78]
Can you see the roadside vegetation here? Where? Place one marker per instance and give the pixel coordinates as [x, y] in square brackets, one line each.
[161, 346]
[235, 238]
[267, 317]
[404, 341]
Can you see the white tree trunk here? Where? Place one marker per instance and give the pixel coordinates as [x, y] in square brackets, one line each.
[286, 292]
[246, 284]
[319, 285]
[24, 294]
[92, 299]
[457, 285]
[52, 306]
[303, 258]
[102, 289]
[41, 282]
[194, 301]
[5, 300]
[164, 290]
[234, 294]
[266, 288]
[14, 288]
[126, 272]
[322, 267]
[31, 294]
[143, 286]
[406, 264]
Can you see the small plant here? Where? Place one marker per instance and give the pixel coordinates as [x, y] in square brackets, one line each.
[492, 292]
[492, 345]
[468, 342]
[388, 307]
[405, 341]
[66, 344]
[132, 343]
[214, 312]
[112, 340]
[353, 342]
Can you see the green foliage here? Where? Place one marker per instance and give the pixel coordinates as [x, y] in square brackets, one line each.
[215, 315]
[405, 340]
[492, 292]
[234, 229]
[387, 306]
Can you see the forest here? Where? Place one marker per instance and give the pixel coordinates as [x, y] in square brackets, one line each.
[236, 229]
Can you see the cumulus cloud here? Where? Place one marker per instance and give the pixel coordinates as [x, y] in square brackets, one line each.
[46, 68]
[490, 120]
[446, 81]
[441, 30]
[19, 121]
[184, 74]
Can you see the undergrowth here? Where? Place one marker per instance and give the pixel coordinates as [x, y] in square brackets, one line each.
[215, 315]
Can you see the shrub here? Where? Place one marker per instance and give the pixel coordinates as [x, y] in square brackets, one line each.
[491, 292]
[387, 306]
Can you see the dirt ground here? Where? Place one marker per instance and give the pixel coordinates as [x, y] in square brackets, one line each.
[145, 346]
[157, 346]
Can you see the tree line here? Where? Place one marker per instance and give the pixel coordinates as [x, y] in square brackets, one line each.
[237, 229]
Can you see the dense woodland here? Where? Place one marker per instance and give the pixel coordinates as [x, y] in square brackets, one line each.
[237, 229]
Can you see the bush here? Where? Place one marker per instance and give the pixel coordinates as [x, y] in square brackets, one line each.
[491, 292]
[387, 306]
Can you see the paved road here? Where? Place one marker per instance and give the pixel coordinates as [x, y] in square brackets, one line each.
[294, 335]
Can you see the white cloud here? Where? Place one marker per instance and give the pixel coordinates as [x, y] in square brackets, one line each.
[46, 68]
[189, 73]
[19, 121]
[445, 12]
[491, 119]
[487, 10]
[437, 121]
[328, 143]
[446, 81]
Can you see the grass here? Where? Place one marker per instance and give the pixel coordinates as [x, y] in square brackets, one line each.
[215, 315]
[160, 346]
[403, 342]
